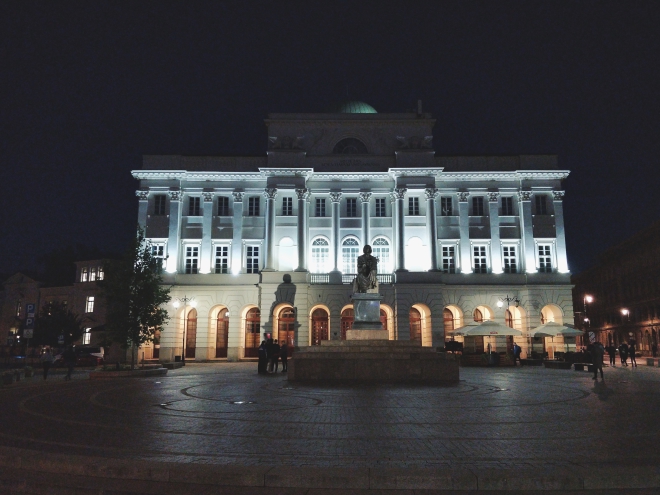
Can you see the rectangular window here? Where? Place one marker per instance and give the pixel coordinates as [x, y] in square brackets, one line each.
[89, 304]
[545, 258]
[193, 207]
[507, 206]
[101, 273]
[253, 206]
[320, 207]
[252, 259]
[84, 274]
[287, 207]
[159, 204]
[449, 259]
[223, 206]
[158, 251]
[446, 209]
[478, 206]
[87, 336]
[413, 206]
[380, 207]
[192, 259]
[479, 259]
[92, 274]
[510, 259]
[18, 308]
[541, 205]
[222, 259]
[351, 207]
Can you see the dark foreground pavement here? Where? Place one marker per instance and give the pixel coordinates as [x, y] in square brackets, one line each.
[221, 428]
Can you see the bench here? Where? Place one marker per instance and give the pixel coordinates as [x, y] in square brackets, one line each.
[557, 365]
[650, 362]
[583, 367]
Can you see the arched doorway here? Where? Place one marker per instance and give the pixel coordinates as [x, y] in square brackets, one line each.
[191, 333]
[448, 319]
[383, 319]
[347, 318]
[508, 318]
[252, 332]
[286, 327]
[478, 315]
[415, 325]
[222, 333]
[320, 324]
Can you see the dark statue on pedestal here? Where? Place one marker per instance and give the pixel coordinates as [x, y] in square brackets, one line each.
[366, 281]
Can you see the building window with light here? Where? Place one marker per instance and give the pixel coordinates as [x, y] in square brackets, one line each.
[510, 259]
[479, 259]
[380, 207]
[320, 256]
[84, 274]
[478, 206]
[223, 206]
[351, 207]
[89, 304]
[541, 204]
[192, 259]
[158, 251]
[252, 259]
[449, 259]
[222, 259]
[19, 304]
[350, 250]
[507, 206]
[92, 274]
[413, 206]
[545, 258]
[159, 205]
[446, 206]
[381, 250]
[287, 207]
[87, 336]
[194, 207]
[253, 206]
[319, 210]
[101, 273]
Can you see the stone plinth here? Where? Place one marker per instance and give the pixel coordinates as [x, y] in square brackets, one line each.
[368, 334]
[372, 361]
[367, 313]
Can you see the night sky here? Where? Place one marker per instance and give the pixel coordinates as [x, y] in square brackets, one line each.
[88, 87]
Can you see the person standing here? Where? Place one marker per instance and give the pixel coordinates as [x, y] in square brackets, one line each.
[263, 358]
[597, 353]
[632, 349]
[623, 353]
[276, 356]
[611, 351]
[269, 354]
[47, 361]
[516, 354]
[284, 356]
[69, 357]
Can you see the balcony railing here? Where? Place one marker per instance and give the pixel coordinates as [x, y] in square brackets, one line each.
[319, 278]
[347, 278]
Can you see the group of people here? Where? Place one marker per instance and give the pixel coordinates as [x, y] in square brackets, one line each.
[270, 355]
[626, 351]
[68, 356]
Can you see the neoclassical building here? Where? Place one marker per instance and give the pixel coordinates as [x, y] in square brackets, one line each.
[268, 244]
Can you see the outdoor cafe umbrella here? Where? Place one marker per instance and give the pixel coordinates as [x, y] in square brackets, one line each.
[552, 329]
[487, 328]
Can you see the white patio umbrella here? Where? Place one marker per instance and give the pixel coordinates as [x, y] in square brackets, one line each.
[487, 328]
[552, 329]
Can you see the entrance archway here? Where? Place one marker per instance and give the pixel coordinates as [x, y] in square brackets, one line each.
[320, 325]
[286, 323]
[252, 332]
[415, 325]
[347, 318]
[191, 333]
[222, 333]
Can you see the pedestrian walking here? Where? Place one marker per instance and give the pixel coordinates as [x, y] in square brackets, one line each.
[623, 354]
[263, 358]
[632, 349]
[276, 356]
[597, 352]
[47, 361]
[284, 356]
[69, 357]
[611, 351]
[516, 354]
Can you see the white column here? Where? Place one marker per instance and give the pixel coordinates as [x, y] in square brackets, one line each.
[395, 244]
[464, 229]
[527, 230]
[562, 261]
[269, 238]
[206, 255]
[303, 214]
[432, 226]
[335, 197]
[237, 238]
[364, 198]
[495, 241]
[174, 232]
[400, 194]
[143, 197]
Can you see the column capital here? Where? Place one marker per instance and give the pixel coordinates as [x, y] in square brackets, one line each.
[335, 197]
[143, 194]
[399, 192]
[365, 197]
[238, 196]
[431, 193]
[558, 195]
[525, 195]
[208, 197]
[493, 197]
[463, 196]
[175, 195]
[270, 193]
[303, 193]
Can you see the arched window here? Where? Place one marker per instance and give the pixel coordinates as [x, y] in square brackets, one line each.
[286, 327]
[191, 333]
[478, 315]
[508, 319]
[381, 250]
[320, 256]
[252, 332]
[417, 256]
[320, 322]
[222, 333]
[347, 318]
[350, 250]
[415, 325]
[383, 319]
[350, 146]
[448, 318]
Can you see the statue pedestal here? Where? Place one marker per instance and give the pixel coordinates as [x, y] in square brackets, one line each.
[367, 324]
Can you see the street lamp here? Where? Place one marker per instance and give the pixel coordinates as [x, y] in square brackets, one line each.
[177, 302]
[625, 312]
[508, 300]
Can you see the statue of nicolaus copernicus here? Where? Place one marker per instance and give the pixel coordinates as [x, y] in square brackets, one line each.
[367, 268]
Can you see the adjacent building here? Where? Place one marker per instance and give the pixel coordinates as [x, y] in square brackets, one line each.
[268, 244]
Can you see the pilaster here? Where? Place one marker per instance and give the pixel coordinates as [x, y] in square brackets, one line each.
[174, 233]
[432, 226]
[364, 198]
[464, 229]
[400, 194]
[206, 255]
[335, 198]
[525, 198]
[237, 238]
[562, 261]
[303, 216]
[495, 241]
[143, 205]
[269, 238]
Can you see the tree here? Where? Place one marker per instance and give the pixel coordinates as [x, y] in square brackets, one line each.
[134, 296]
[57, 319]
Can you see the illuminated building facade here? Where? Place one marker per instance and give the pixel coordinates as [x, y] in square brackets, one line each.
[268, 244]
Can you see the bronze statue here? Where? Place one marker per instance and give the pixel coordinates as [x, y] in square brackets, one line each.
[367, 268]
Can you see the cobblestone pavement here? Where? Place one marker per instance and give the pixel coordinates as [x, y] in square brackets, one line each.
[226, 414]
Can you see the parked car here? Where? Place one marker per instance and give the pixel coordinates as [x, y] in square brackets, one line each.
[86, 355]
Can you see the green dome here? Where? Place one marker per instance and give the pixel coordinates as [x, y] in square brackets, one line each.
[353, 107]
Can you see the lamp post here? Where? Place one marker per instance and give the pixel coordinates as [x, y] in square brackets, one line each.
[508, 300]
[177, 302]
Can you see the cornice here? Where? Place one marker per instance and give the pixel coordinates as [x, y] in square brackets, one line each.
[513, 175]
